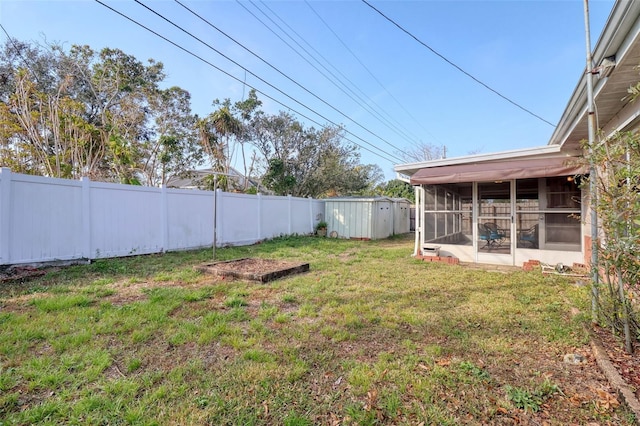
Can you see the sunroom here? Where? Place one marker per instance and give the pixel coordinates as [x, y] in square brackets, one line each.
[514, 206]
[502, 211]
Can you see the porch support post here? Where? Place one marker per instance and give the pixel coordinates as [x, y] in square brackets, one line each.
[474, 221]
[418, 219]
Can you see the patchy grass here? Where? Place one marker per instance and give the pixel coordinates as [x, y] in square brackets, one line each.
[368, 336]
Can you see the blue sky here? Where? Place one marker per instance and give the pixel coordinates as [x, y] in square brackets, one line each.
[532, 52]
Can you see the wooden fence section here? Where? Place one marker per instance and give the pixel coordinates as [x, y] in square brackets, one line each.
[46, 219]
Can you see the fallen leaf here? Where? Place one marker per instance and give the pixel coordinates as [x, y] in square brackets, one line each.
[445, 362]
[424, 367]
[384, 373]
[372, 397]
[337, 382]
[335, 420]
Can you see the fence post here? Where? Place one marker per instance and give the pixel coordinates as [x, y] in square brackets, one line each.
[218, 216]
[5, 215]
[311, 218]
[290, 208]
[164, 217]
[259, 216]
[86, 216]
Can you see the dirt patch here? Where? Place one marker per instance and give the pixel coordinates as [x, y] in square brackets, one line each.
[19, 273]
[627, 365]
[254, 269]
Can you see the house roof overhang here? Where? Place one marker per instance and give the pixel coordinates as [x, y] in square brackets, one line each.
[619, 43]
[620, 39]
[541, 152]
[499, 171]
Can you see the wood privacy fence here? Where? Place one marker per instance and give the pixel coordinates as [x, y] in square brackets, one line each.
[47, 219]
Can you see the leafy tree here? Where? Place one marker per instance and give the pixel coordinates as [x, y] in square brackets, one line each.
[307, 162]
[225, 131]
[617, 163]
[37, 112]
[121, 86]
[103, 115]
[216, 131]
[277, 178]
[398, 189]
[16, 55]
[83, 113]
[247, 109]
[171, 148]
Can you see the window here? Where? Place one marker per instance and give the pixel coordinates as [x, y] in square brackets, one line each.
[527, 214]
[563, 193]
[447, 217]
[562, 213]
[548, 213]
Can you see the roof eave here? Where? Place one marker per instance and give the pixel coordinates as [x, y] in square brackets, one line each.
[536, 152]
[616, 38]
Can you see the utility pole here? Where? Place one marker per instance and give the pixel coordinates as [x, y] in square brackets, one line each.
[215, 209]
[595, 276]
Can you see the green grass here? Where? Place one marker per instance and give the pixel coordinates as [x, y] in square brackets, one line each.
[368, 336]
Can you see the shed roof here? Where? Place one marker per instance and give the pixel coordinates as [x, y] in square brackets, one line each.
[358, 199]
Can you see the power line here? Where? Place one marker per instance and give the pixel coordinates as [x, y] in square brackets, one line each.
[364, 104]
[19, 52]
[294, 49]
[256, 89]
[263, 80]
[367, 69]
[456, 66]
[256, 55]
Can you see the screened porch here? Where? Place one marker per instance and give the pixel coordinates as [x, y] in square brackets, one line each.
[505, 222]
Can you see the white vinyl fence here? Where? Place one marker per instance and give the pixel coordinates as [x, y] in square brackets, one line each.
[46, 219]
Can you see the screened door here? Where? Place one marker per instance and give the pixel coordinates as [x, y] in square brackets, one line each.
[494, 222]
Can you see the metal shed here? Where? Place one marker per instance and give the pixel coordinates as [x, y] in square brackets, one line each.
[367, 218]
[401, 216]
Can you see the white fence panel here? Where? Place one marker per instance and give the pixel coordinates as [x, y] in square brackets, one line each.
[317, 212]
[303, 217]
[238, 222]
[189, 218]
[126, 220]
[275, 216]
[45, 219]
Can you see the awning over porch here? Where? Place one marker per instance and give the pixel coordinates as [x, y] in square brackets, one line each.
[499, 171]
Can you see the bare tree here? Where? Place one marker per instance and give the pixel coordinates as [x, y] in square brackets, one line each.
[424, 152]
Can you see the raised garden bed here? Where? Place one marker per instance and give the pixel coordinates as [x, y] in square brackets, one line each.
[253, 269]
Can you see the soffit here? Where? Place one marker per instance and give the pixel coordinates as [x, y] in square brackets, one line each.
[610, 101]
[621, 38]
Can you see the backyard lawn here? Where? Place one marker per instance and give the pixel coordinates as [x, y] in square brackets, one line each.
[369, 336]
